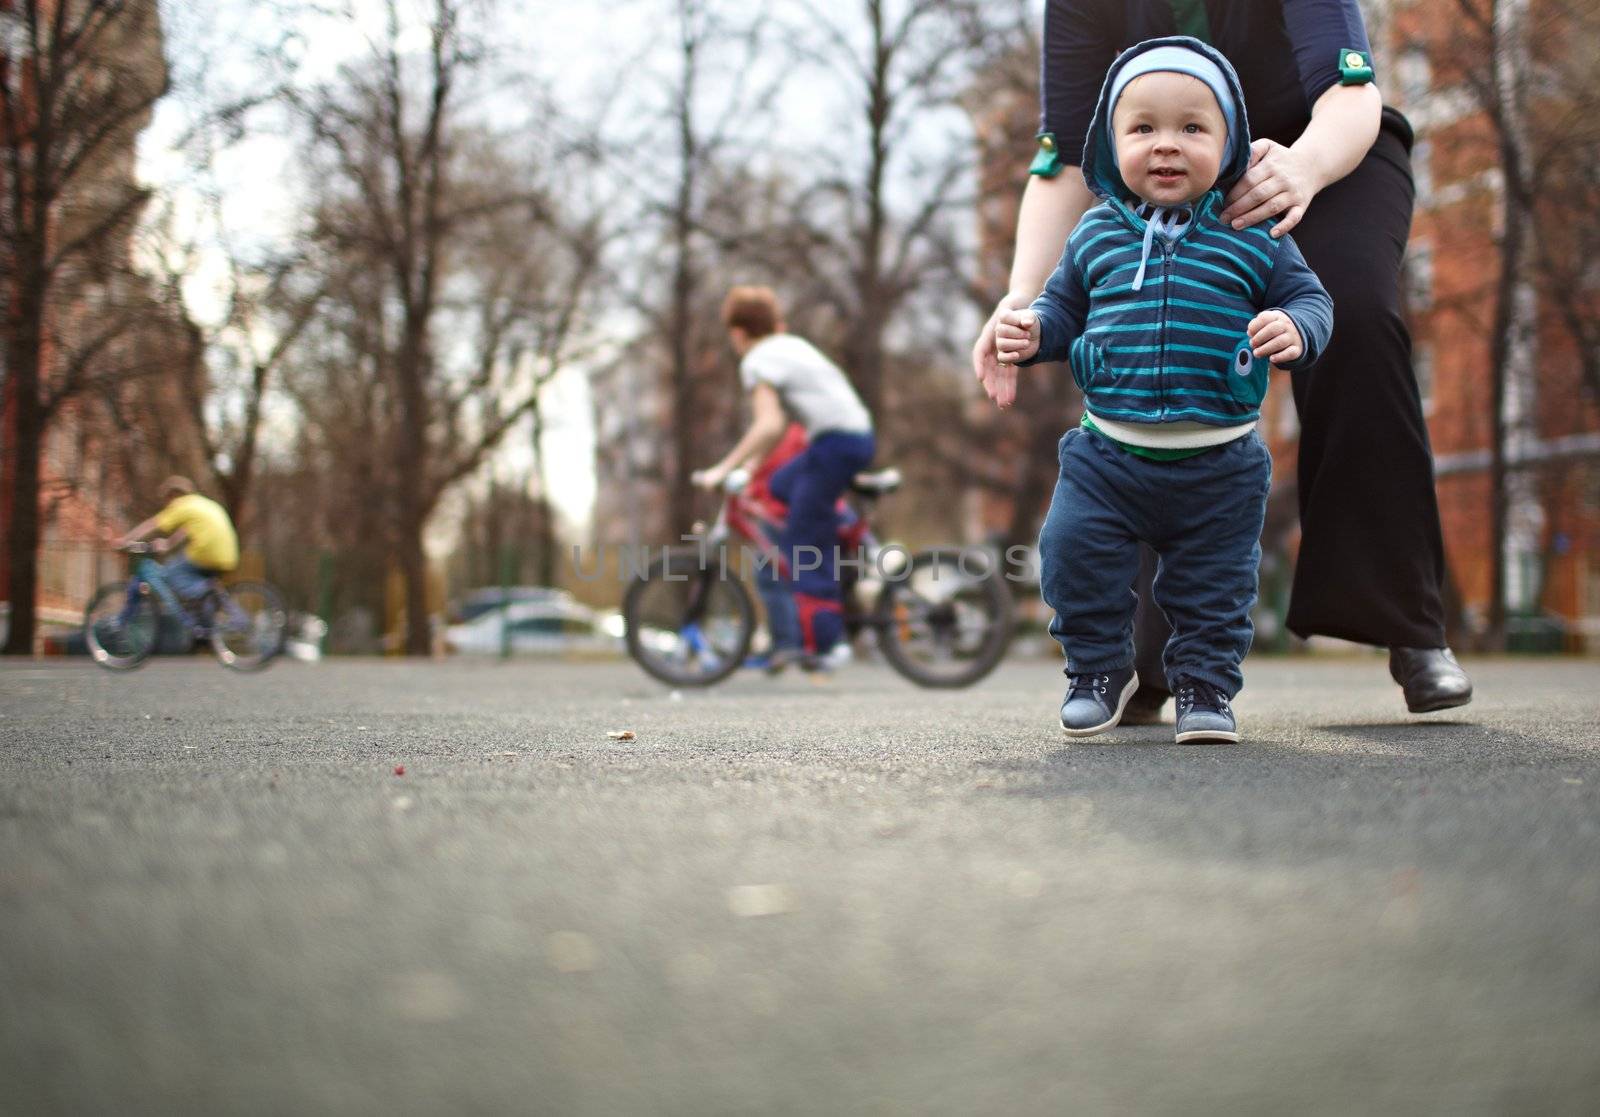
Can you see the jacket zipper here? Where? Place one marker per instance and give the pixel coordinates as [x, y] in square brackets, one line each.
[1161, 354]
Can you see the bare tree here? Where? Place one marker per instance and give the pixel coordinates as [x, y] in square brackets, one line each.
[715, 111]
[233, 362]
[78, 79]
[494, 529]
[862, 230]
[1502, 32]
[901, 64]
[454, 284]
[1565, 132]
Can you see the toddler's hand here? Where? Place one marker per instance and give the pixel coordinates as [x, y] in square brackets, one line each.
[1016, 335]
[1272, 334]
[999, 381]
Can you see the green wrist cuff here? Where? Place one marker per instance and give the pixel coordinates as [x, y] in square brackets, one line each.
[1355, 67]
[1047, 160]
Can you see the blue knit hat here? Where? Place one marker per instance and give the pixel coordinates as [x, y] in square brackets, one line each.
[1178, 60]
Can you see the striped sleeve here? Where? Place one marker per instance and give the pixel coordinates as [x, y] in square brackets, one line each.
[1295, 289]
[1062, 306]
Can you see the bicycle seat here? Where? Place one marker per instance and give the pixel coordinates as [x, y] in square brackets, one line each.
[876, 483]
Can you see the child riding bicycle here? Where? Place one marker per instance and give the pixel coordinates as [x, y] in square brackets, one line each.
[198, 529]
[788, 378]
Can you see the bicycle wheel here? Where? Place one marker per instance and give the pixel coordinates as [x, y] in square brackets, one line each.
[120, 637]
[688, 625]
[248, 624]
[945, 622]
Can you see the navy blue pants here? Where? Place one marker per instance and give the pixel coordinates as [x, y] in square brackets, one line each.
[1201, 515]
[783, 620]
[811, 485]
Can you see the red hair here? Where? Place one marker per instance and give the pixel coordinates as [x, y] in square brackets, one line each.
[754, 310]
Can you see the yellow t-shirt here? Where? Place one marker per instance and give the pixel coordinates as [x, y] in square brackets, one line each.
[211, 543]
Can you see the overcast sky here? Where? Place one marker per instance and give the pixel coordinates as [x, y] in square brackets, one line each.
[212, 46]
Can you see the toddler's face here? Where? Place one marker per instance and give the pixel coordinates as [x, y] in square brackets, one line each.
[1170, 136]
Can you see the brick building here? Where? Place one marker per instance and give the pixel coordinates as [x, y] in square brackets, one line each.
[1552, 544]
[86, 452]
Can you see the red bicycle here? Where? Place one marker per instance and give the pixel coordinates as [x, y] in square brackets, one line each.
[943, 616]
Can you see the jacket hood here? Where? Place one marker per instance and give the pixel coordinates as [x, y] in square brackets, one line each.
[1099, 153]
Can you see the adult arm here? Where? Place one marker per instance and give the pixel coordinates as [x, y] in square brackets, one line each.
[1077, 47]
[767, 424]
[1282, 180]
[1051, 209]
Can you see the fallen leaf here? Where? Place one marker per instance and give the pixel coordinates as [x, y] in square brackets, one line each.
[621, 735]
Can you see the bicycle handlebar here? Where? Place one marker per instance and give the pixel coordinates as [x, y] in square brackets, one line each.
[732, 484]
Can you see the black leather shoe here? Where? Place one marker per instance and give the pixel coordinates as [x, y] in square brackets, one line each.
[1430, 677]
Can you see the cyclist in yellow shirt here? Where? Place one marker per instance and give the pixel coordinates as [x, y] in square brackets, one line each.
[200, 527]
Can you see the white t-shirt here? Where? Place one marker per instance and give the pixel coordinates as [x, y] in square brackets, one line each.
[814, 390]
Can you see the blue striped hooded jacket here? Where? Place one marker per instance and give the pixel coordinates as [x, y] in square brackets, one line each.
[1176, 348]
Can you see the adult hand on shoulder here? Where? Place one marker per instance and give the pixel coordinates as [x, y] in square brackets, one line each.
[1280, 183]
[999, 379]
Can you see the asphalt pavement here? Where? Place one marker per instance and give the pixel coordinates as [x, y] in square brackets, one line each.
[220, 894]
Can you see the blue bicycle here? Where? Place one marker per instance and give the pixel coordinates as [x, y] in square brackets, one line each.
[244, 621]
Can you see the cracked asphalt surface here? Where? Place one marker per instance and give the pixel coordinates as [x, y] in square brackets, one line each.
[217, 895]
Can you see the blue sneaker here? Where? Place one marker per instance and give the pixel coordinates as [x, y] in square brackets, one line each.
[1094, 703]
[1204, 716]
